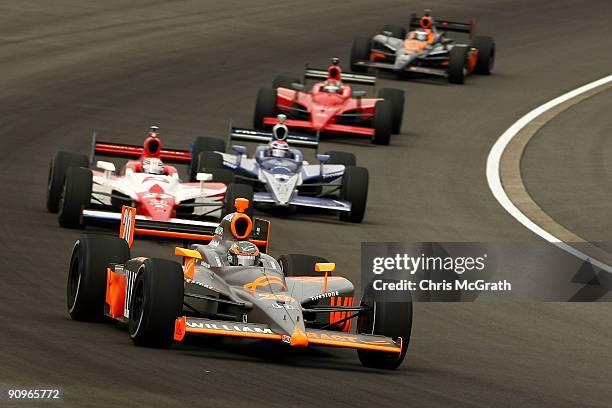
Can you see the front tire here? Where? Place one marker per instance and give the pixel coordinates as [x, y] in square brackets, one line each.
[385, 317]
[265, 107]
[354, 190]
[396, 31]
[396, 97]
[456, 64]
[345, 158]
[60, 163]
[76, 196]
[284, 81]
[486, 54]
[156, 302]
[300, 265]
[383, 122]
[204, 144]
[362, 44]
[86, 288]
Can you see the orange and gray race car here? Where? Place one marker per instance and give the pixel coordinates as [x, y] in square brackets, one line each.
[425, 49]
[231, 287]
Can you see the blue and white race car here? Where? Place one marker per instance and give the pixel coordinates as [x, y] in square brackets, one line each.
[281, 177]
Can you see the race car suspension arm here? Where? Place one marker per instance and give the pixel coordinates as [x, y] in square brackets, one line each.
[214, 299]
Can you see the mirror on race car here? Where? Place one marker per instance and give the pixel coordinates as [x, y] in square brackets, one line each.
[104, 165]
[322, 157]
[298, 87]
[359, 93]
[239, 149]
[204, 177]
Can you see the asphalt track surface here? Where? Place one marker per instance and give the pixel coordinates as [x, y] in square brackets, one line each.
[69, 67]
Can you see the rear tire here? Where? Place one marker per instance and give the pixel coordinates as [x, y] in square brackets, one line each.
[486, 54]
[265, 107]
[235, 191]
[456, 64]
[86, 288]
[75, 197]
[396, 97]
[354, 190]
[386, 318]
[284, 81]
[60, 162]
[212, 163]
[300, 265]
[383, 122]
[204, 144]
[362, 45]
[345, 158]
[156, 302]
[396, 31]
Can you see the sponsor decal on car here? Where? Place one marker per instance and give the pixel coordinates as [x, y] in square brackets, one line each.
[324, 295]
[229, 327]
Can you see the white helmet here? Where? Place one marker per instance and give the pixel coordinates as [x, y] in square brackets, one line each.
[280, 148]
[421, 35]
[152, 165]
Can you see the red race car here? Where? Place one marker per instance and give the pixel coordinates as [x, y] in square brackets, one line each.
[332, 106]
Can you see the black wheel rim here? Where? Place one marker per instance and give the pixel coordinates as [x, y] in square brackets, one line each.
[74, 282]
[137, 307]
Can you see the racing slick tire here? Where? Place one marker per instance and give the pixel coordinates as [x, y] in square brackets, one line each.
[383, 122]
[456, 64]
[86, 288]
[346, 158]
[362, 44]
[385, 317]
[284, 81]
[60, 162]
[76, 196]
[354, 190]
[235, 191]
[300, 265]
[396, 31]
[155, 303]
[486, 54]
[265, 107]
[203, 144]
[396, 97]
[212, 163]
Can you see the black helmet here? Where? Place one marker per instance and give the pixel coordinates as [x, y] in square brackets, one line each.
[243, 253]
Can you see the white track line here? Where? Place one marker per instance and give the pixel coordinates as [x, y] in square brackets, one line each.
[494, 179]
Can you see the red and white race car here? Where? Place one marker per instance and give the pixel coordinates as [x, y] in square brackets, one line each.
[332, 106]
[81, 195]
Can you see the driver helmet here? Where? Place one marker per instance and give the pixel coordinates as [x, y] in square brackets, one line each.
[332, 87]
[279, 148]
[243, 253]
[420, 35]
[152, 165]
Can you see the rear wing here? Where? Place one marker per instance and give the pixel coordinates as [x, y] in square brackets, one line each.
[446, 25]
[250, 135]
[187, 231]
[110, 149]
[349, 77]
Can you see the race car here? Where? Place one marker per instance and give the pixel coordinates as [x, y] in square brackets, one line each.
[82, 195]
[426, 49]
[331, 106]
[231, 287]
[281, 177]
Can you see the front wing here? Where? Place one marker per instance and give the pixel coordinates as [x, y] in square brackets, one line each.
[305, 201]
[192, 325]
[332, 127]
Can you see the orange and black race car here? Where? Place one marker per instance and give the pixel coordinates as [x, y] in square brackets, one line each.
[425, 49]
[231, 287]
